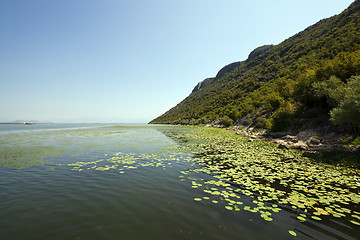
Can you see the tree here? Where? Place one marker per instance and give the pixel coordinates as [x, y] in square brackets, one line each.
[226, 121]
[332, 89]
[348, 111]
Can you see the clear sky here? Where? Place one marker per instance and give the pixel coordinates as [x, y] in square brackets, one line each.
[130, 61]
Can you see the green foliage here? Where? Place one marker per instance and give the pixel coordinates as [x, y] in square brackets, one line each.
[332, 89]
[232, 113]
[350, 140]
[303, 89]
[348, 111]
[343, 66]
[226, 121]
[272, 102]
[283, 119]
[356, 141]
[264, 123]
[298, 72]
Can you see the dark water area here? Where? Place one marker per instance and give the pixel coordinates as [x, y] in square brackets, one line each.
[125, 182]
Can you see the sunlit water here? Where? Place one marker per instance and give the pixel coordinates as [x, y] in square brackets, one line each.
[121, 182]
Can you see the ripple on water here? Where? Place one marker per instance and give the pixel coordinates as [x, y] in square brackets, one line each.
[61, 202]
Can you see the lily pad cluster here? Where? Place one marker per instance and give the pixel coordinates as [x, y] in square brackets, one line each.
[219, 190]
[277, 179]
[122, 162]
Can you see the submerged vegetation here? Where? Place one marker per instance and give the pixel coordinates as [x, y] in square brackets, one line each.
[23, 157]
[25, 149]
[280, 87]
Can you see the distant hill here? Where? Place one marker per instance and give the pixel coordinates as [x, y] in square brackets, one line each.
[278, 85]
[26, 121]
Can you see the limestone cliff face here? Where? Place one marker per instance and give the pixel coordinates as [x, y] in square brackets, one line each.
[230, 67]
[202, 84]
[226, 69]
[258, 51]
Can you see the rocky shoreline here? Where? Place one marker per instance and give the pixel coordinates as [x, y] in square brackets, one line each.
[313, 143]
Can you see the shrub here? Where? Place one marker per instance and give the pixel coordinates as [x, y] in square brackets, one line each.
[348, 111]
[272, 102]
[332, 89]
[283, 119]
[226, 121]
[262, 122]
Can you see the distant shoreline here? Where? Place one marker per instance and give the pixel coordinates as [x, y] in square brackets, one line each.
[14, 123]
[26, 122]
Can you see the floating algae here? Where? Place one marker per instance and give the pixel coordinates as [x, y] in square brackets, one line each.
[23, 157]
[24, 149]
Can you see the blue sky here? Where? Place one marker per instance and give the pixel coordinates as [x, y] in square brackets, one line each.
[130, 61]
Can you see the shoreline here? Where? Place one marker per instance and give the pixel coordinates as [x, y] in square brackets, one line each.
[310, 143]
[305, 140]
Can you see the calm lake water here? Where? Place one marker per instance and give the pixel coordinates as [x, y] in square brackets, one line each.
[75, 181]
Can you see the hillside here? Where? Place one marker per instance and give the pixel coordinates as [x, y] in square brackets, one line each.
[278, 86]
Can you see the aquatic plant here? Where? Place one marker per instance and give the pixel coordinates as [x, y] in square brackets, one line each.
[276, 179]
[223, 170]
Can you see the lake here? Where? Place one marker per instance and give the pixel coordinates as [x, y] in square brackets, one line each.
[106, 181]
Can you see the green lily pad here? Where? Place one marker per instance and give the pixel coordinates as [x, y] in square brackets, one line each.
[269, 219]
[229, 208]
[316, 218]
[301, 219]
[354, 222]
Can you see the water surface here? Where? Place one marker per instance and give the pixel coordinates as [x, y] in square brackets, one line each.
[124, 182]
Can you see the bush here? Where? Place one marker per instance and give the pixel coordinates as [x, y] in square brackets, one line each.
[348, 111]
[273, 102]
[303, 90]
[332, 89]
[262, 122]
[226, 121]
[350, 140]
[283, 119]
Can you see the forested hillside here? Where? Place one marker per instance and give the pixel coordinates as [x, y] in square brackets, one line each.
[317, 68]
